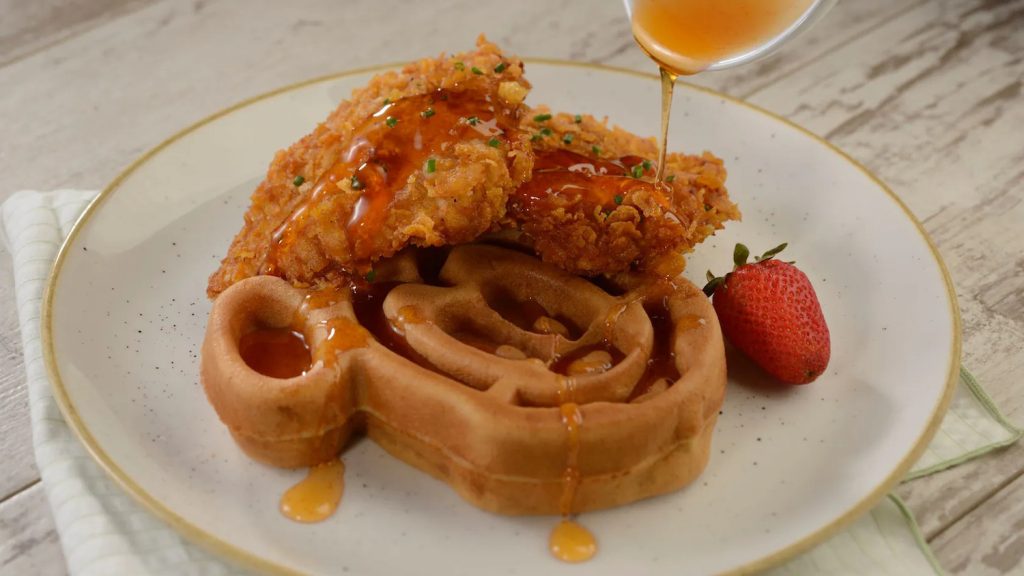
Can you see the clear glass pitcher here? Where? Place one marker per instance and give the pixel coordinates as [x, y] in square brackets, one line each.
[814, 10]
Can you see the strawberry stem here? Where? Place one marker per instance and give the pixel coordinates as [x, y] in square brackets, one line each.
[772, 253]
[740, 255]
[713, 283]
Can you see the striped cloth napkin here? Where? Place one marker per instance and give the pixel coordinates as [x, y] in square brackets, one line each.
[104, 532]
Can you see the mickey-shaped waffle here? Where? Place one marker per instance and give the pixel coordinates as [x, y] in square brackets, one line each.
[525, 388]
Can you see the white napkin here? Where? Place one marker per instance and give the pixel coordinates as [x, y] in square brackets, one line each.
[104, 532]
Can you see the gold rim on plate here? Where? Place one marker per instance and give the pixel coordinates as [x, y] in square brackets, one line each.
[246, 558]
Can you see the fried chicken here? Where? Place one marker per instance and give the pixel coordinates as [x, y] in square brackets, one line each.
[444, 151]
[426, 156]
[592, 205]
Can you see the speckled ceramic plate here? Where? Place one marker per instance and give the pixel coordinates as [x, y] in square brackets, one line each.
[126, 311]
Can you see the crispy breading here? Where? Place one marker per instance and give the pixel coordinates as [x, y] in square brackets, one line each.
[306, 220]
[642, 226]
[443, 151]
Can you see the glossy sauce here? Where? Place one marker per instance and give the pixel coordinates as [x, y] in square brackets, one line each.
[569, 541]
[384, 151]
[316, 496]
[276, 352]
[662, 362]
[343, 334]
[563, 364]
[561, 177]
[368, 305]
[530, 315]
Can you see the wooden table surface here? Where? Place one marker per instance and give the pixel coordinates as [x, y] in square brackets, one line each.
[926, 93]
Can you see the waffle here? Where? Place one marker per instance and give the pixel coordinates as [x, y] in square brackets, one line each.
[528, 390]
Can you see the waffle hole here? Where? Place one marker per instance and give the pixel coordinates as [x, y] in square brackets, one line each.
[611, 287]
[275, 352]
[529, 314]
[661, 369]
[593, 359]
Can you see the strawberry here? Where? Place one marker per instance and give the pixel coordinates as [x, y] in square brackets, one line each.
[769, 311]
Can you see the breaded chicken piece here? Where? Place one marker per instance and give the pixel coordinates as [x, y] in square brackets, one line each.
[592, 205]
[425, 156]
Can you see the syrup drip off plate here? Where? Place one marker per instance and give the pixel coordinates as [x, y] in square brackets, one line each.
[126, 314]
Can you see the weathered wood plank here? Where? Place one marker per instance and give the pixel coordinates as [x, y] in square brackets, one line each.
[15, 431]
[28, 540]
[931, 102]
[27, 27]
[990, 540]
[280, 44]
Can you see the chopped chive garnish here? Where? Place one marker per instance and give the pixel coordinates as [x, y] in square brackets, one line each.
[535, 137]
[567, 139]
[431, 166]
[473, 120]
[298, 180]
[647, 165]
[476, 70]
[500, 68]
[387, 100]
[578, 119]
[670, 178]
[357, 184]
[493, 142]
[545, 131]
[542, 117]
[596, 150]
[460, 66]
[618, 198]
[391, 121]
[637, 171]
[428, 113]
[371, 275]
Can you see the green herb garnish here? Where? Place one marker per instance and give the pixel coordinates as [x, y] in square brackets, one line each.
[493, 142]
[298, 180]
[647, 165]
[428, 113]
[578, 119]
[637, 171]
[391, 121]
[500, 68]
[476, 70]
[371, 276]
[460, 66]
[357, 184]
[567, 139]
[618, 198]
[542, 117]
[670, 178]
[431, 166]
[596, 150]
[545, 131]
[473, 120]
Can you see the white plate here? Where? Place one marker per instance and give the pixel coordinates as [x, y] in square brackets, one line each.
[126, 311]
